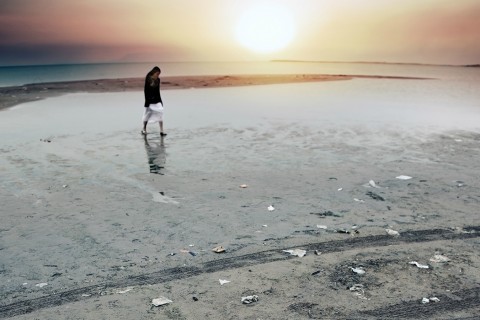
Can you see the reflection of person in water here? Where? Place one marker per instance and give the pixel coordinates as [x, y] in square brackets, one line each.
[156, 154]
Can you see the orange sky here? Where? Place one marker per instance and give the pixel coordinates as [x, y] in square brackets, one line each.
[61, 31]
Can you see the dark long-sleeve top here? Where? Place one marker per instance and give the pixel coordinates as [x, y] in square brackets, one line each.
[152, 93]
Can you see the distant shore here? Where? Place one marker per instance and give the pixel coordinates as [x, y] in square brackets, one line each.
[11, 96]
[381, 62]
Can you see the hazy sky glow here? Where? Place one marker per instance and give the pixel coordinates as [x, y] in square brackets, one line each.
[65, 31]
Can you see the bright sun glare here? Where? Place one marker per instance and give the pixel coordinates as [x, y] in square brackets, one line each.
[265, 28]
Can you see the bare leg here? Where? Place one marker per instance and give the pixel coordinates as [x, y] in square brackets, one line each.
[144, 131]
[161, 129]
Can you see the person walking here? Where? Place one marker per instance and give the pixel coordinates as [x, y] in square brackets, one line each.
[153, 111]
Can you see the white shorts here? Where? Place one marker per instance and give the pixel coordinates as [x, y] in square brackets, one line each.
[153, 113]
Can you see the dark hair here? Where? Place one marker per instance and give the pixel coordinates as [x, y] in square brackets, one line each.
[151, 81]
[155, 69]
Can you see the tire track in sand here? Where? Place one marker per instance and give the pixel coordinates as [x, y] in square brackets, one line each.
[468, 297]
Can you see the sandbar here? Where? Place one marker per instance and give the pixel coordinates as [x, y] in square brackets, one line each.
[10, 96]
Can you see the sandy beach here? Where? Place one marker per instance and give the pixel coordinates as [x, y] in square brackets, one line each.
[381, 191]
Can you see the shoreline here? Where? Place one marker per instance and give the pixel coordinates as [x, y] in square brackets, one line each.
[12, 96]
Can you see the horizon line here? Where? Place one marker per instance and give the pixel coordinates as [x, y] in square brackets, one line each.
[245, 61]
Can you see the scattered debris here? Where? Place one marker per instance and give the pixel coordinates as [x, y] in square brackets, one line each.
[421, 266]
[347, 231]
[438, 258]
[321, 226]
[359, 271]
[375, 196]
[296, 252]
[326, 214]
[358, 200]
[359, 291]
[466, 230]
[372, 183]
[317, 252]
[460, 183]
[392, 232]
[270, 208]
[264, 225]
[427, 300]
[171, 254]
[161, 301]
[218, 249]
[402, 177]
[222, 282]
[356, 287]
[339, 189]
[65, 185]
[187, 251]
[41, 285]
[86, 295]
[195, 298]
[316, 272]
[243, 186]
[125, 291]
[249, 299]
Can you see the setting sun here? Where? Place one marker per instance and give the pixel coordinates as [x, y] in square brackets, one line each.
[265, 28]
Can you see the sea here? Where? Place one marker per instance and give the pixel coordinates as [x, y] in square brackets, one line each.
[21, 75]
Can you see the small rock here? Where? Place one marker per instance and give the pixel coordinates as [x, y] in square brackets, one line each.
[218, 249]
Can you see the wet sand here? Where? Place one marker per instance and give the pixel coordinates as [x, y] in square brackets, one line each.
[97, 220]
